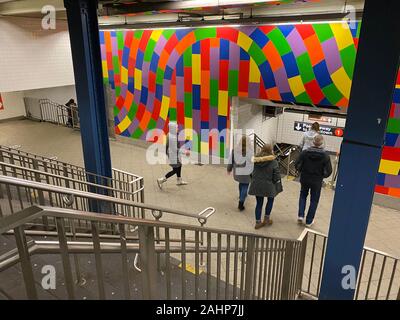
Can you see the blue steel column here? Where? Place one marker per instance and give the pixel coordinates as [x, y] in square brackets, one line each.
[85, 46]
[371, 96]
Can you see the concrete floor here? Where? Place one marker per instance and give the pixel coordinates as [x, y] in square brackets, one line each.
[208, 186]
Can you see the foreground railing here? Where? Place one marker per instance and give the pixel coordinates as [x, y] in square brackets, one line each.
[60, 173]
[19, 194]
[175, 265]
[378, 279]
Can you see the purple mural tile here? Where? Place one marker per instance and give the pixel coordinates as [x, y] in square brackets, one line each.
[213, 121]
[254, 90]
[397, 111]
[392, 181]
[180, 89]
[214, 63]
[161, 42]
[136, 96]
[145, 73]
[166, 87]
[173, 59]
[196, 120]
[282, 80]
[234, 56]
[122, 114]
[247, 29]
[150, 102]
[397, 145]
[296, 43]
[332, 56]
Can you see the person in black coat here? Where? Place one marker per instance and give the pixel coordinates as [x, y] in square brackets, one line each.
[265, 183]
[314, 164]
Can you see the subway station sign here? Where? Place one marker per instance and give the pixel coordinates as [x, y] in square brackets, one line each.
[324, 130]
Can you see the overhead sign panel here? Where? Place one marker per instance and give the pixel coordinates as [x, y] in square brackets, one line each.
[324, 130]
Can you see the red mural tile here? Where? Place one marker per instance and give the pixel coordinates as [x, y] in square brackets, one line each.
[228, 33]
[223, 74]
[391, 153]
[314, 91]
[305, 30]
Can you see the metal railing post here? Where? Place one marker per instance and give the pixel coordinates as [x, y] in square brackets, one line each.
[302, 260]
[249, 268]
[26, 265]
[287, 274]
[148, 261]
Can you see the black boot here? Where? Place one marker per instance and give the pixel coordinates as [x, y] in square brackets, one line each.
[241, 206]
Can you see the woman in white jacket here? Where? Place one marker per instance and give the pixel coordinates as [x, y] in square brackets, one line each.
[308, 137]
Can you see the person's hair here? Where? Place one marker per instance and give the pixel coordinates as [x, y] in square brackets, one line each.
[318, 140]
[315, 126]
[243, 143]
[267, 150]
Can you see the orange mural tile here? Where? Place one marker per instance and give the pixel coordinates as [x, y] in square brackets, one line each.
[214, 42]
[273, 94]
[185, 43]
[145, 120]
[205, 84]
[394, 192]
[128, 100]
[273, 56]
[314, 49]
[344, 102]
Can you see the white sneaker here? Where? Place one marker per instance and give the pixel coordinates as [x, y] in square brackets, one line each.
[308, 225]
[180, 182]
[160, 181]
[300, 220]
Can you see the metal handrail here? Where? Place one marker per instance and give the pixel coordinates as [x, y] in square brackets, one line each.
[30, 155]
[94, 196]
[248, 282]
[47, 174]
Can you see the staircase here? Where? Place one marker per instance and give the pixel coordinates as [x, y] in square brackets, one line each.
[286, 155]
[49, 219]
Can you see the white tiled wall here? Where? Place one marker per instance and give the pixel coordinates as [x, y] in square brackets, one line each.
[13, 105]
[250, 117]
[287, 134]
[58, 94]
[279, 129]
[31, 57]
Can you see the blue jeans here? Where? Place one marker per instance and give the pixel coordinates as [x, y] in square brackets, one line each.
[243, 187]
[315, 190]
[259, 206]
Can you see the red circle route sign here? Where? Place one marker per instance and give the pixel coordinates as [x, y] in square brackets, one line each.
[339, 132]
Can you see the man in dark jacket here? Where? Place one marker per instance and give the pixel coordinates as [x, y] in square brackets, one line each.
[314, 164]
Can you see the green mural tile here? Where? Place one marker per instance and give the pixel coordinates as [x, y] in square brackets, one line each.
[120, 40]
[348, 56]
[303, 98]
[256, 53]
[305, 68]
[172, 114]
[138, 34]
[222, 149]
[280, 42]
[168, 33]
[148, 54]
[187, 57]
[116, 67]
[159, 76]
[323, 31]
[132, 111]
[188, 104]
[214, 93]
[204, 33]
[137, 133]
[332, 93]
[116, 111]
[152, 124]
[233, 83]
[393, 126]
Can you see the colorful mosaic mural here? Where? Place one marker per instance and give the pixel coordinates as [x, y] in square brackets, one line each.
[389, 171]
[189, 75]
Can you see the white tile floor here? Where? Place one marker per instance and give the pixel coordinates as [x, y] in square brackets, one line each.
[208, 186]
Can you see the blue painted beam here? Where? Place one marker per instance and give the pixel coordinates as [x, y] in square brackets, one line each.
[85, 47]
[374, 79]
